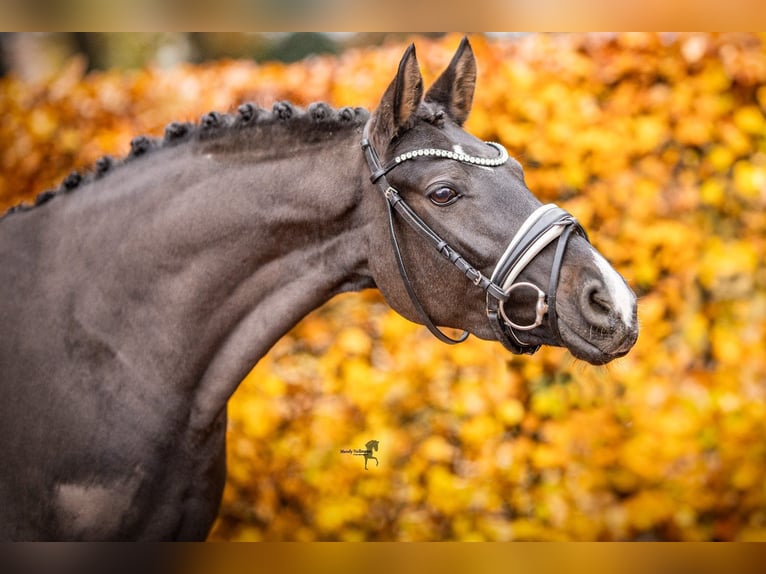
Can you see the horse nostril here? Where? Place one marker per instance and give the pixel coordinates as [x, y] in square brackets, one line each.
[596, 305]
[598, 301]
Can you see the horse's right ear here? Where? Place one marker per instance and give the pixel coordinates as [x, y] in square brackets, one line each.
[399, 101]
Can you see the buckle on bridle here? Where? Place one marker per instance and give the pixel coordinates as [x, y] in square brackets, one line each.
[474, 276]
[392, 195]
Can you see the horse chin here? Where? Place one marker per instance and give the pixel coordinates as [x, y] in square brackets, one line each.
[587, 350]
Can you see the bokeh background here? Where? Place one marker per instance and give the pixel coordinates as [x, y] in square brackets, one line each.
[656, 142]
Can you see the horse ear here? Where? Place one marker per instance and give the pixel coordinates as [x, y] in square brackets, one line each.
[454, 88]
[399, 101]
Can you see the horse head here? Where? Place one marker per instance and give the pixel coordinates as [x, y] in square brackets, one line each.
[371, 445]
[503, 266]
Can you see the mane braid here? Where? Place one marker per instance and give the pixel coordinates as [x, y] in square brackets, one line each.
[211, 126]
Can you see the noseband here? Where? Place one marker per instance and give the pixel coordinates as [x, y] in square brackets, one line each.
[545, 225]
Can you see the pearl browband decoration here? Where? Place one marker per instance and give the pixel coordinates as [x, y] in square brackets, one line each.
[454, 155]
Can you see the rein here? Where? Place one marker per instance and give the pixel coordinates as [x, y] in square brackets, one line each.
[541, 228]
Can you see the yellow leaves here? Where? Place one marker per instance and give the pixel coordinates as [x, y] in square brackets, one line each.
[657, 145]
[749, 119]
[437, 449]
[693, 131]
[724, 264]
[733, 138]
[747, 476]
[713, 80]
[550, 402]
[713, 192]
[394, 327]
[648, 509]
[354, 341]
[695, 333]
[256, 415]
[478, 430]
[446, 493]
[332, 513]
[750, 178]
[650, 132]
[546, 456]
[510, 412]
[622, 480]
[42, 124]
[69, 140]
[726, 348]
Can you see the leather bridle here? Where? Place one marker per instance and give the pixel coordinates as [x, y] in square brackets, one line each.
[542, 227]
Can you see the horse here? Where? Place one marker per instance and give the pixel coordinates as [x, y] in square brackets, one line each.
[135, 297]
[370, 446]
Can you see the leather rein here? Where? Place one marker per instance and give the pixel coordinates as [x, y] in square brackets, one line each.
[542, 227]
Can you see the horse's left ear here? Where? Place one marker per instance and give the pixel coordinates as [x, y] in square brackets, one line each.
[454, 88]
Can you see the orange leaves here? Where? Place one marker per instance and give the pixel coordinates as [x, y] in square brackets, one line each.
[728, 266]
[750, 178]
[657, 143]
[510, 412]
[749, 119]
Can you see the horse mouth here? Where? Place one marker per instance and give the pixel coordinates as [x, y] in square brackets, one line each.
[597, 350]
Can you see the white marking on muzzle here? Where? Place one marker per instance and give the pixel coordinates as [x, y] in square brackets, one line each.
[621, 296]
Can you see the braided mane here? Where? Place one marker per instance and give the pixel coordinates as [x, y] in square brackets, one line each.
[318, 117]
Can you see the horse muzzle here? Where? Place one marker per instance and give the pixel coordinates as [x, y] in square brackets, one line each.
[545, 225]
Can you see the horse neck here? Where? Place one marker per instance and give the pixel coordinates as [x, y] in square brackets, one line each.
[199, 259]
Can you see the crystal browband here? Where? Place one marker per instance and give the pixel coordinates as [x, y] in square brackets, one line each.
[454, 155]
[457, 156]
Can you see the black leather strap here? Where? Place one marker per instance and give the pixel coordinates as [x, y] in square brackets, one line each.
[558, 259]
[496, 295]
[438, 333]
[504, 331]
[394, 201]
[551, 218]
[445, 249]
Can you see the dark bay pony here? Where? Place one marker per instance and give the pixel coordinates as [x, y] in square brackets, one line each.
[135, 299]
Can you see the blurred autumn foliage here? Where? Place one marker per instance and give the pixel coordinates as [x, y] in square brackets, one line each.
[657, 143]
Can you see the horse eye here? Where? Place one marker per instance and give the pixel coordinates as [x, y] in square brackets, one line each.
[443, 196]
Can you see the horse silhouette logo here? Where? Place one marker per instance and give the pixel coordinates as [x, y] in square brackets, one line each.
[369, 447]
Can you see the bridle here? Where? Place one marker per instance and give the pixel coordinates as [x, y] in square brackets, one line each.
[542, 227]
